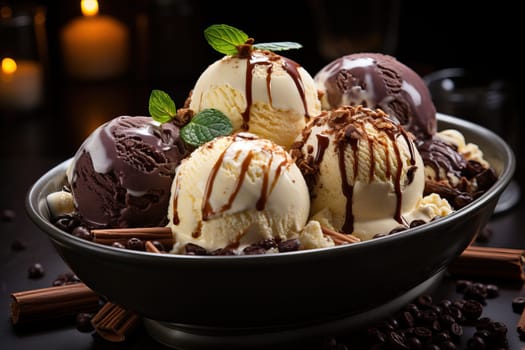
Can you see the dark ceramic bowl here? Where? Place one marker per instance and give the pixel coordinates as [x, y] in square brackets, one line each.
[281, 290]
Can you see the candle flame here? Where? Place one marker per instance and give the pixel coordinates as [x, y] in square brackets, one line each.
[89, 7]
[8, 65]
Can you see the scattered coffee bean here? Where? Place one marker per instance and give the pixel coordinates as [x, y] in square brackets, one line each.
[518, 304]
[472, 310]
[135, 244]
[462, 285]
[193, 249]
[35, 271]
[82, 232]
[83, 322]
[289, 245]
[7, 215]
[66, 278]
[118, 245]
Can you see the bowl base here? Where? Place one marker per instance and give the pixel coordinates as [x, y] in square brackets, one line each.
[185, 337]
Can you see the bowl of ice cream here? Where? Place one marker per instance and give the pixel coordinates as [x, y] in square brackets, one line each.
[276, 290]
[301, 219]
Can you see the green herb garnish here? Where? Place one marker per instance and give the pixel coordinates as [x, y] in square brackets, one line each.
[228, 40]
[161, 106]
[203, 127]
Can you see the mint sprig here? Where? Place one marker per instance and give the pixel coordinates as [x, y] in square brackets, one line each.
[203, 127]
[227, 40]
[161, 106]
[224, 38]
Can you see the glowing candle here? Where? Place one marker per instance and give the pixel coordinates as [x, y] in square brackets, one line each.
[20, 84]
[95, 46]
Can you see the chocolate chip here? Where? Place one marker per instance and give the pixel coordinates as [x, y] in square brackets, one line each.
[254, 250]
[35, 271]
[289, 245]
[83, 322]
[7, 215]
[194, 249]
[416, 223]
[518, 304]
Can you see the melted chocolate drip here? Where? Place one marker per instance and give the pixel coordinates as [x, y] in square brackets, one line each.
[267, 58]
[347, 125]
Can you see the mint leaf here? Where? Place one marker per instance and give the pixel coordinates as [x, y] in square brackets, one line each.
[205, 126]
[224, 38]
[161, 106]
[278, 46]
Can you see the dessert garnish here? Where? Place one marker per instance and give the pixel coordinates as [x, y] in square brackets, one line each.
[203, 127]
[229, 40]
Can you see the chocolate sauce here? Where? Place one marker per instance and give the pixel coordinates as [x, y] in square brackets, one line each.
[269, 179]
[348, 127]
[380, 81]
[268, 58]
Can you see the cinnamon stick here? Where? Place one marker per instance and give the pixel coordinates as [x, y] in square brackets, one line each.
[114, 323]
[521, 325]
[122, 235]
[492, 262]
[150, 247]
[339, 238]
[52, 303]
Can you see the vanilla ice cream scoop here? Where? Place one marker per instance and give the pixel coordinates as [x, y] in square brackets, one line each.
[365, 174]
[265, 93]
[237, 191]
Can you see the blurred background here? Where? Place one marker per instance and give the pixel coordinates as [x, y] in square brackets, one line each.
[76, 70]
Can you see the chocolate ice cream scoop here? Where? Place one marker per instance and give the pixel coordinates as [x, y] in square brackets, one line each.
[121, 175]
[379, 81]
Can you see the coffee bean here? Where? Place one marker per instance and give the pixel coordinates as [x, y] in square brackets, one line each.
[472, 310]
[82, 232]
[462, 285]
[424, 301]
[447, 345]
[135, 244]
[118, 245]
[476, 343]
[36, 271]
[492, 291]
[396, 341]
[83, 322]
[194, 249]
[289, 245]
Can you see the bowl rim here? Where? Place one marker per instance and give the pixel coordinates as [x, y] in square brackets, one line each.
[33, 199]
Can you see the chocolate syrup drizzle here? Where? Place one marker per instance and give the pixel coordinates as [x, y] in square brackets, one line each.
[348, 126]
[266, 59]
[267, 186]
